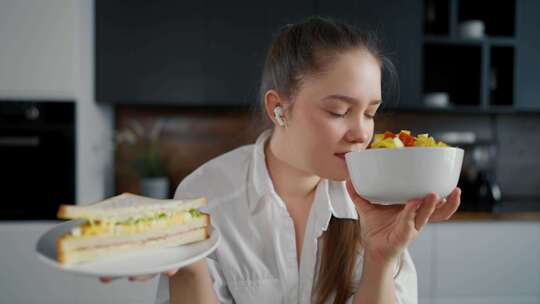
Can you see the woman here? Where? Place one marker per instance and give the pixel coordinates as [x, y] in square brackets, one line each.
[294, 230]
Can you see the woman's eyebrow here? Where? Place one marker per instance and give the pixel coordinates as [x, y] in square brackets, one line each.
[348, 99]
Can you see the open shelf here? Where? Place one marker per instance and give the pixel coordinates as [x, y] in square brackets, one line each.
[473, 71]
[454, 69]
[498, 16]
[490, 41]
[501, 76]
[437, 14]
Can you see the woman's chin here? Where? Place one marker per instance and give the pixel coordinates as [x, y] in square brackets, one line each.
[338, 175]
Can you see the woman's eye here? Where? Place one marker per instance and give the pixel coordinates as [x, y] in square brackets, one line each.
[370, 116]
[339, 114]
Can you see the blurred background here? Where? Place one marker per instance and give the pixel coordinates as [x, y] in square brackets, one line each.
[103, 97]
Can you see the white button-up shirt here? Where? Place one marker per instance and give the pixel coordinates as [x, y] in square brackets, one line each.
[256, 261]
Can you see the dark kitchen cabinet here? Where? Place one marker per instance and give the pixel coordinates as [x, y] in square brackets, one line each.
[475, 70]
[238, 35]
[527, 79]
[491, 72]
[186, 52]
[212, 52]
[398, 24]
[149, 51]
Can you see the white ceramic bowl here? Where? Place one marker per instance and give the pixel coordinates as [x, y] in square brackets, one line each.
[436, 99]
[393, 176]
[472, 29]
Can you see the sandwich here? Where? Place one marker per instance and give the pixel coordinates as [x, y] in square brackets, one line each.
[129, 223]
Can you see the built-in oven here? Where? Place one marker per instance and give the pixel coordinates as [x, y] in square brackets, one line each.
[37, 158]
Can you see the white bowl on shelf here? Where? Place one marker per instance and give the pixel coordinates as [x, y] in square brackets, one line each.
[393, 176]
[472, 29]
[436, 99]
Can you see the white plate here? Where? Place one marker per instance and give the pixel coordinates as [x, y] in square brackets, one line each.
[132, 264]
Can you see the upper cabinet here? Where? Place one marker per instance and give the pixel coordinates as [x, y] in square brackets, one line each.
[482, 58]
[212, 52]
[527, 80]
[186, 52]
[237, 37]
[148, 52]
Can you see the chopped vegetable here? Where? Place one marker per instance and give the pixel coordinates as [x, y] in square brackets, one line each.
[404, 139]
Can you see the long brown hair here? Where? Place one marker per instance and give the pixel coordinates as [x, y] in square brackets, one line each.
[307, 48]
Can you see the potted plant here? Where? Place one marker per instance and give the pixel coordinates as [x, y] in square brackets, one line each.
[147, 161]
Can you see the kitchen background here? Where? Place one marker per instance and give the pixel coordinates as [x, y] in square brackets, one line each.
[83, 82]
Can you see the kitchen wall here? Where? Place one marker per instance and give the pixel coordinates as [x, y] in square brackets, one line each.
[46, 52]
[192, 137]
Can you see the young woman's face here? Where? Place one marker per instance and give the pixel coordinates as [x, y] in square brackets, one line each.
[333, 113]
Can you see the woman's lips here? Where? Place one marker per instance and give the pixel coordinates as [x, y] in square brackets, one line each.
[340, 155]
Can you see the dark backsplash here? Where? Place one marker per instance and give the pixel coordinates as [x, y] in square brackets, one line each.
[191, 137]
[518, 164]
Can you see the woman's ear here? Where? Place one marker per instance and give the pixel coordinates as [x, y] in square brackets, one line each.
[272, 99]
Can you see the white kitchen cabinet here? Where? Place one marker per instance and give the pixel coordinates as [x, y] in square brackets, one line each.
[484, 300]
[47, 53]
[491, 262]
[422, 252]
[479, 262]
[457, 262]
[25, 279]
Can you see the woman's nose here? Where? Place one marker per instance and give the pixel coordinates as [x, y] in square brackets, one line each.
[357, 135]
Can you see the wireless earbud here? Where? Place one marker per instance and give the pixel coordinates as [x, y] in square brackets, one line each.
[278, 114]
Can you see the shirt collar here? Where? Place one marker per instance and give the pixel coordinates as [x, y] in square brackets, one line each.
[261, 178]
[336, 199]
[340, 201]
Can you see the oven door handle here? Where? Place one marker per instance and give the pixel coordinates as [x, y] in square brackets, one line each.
[19, 141]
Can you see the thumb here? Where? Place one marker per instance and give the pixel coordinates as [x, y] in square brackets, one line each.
[408, 215]
[172, 272]
[362, 204]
